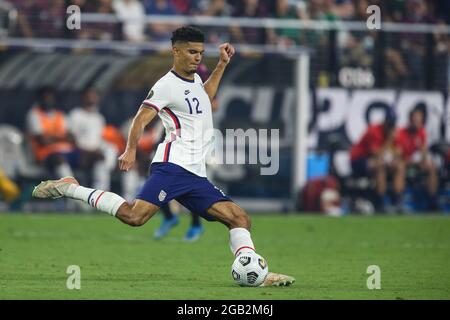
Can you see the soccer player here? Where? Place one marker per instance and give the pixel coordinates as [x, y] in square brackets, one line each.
[412, 143]
[178, 169]
[86, 124]
[375, 155]
[50, 140]
[170, 219]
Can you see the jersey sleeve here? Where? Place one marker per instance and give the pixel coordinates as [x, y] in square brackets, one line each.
[158, 97]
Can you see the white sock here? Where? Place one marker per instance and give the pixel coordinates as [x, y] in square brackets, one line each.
[101, 200]
[240, 241]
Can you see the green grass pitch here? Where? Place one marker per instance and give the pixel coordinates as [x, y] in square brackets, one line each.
[328, 257]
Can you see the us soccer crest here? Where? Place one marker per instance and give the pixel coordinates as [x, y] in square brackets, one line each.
[162, 195]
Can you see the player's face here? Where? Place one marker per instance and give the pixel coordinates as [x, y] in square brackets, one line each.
[417, 120]
[48, 100]
[91, 98]
[188, 56]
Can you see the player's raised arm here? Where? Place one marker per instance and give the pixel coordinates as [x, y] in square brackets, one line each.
[212, 84]
[143, 117]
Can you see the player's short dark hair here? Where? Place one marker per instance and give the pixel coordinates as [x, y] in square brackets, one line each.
[187, 34]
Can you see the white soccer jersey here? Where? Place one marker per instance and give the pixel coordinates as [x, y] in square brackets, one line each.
[185, 110]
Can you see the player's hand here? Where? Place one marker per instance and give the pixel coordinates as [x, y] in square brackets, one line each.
[226, 52]
[127, 159]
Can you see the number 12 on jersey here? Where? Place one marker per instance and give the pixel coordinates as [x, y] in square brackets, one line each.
[197, 109]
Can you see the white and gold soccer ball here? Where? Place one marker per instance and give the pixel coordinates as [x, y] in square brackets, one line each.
[249, 269]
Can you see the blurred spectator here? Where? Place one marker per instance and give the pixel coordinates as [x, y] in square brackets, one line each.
[318, 10]
[414, 45]
[412, 144]
[442, 9]
[160, 31]
[286, 36]
[41, 18]
[9, 191]
[395, 10]
[357, 50]
[395, 68]
[322, 195]
[23, 9]
[374, 156]
[249, 35]
[344, 9]
[87, 124]
[215, 8]
[96, 30]
[393, 63]
[441, 58]
[184, 7]
[322, 10]
[50, 140]
[360, 13]
[132, 15]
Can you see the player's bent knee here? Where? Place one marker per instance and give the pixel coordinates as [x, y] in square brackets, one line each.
[137, 221]
[140, 217]
[136, 215]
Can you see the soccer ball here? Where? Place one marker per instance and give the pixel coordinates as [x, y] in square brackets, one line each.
[249, 269]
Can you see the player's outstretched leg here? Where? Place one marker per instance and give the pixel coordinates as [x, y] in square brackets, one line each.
[237, 220]
[134, 215]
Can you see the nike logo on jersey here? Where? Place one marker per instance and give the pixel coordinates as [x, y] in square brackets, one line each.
[186, 92]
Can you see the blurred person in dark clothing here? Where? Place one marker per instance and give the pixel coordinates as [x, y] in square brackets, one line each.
[411, 141]
[41, 18]
[49, 136]
[249, 35]
[375, 156]
[160, 31]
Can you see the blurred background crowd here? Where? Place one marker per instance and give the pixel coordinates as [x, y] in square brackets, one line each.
[46, 18]
[396, 58]
[58, 120]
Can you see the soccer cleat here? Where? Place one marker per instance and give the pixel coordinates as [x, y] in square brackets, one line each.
[193, 234]
[165, 227]
[276, 279]
[53, 188]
